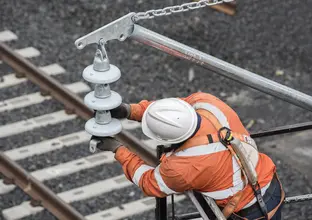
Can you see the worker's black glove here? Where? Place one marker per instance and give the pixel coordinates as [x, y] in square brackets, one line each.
[108, 144]
[122, 111]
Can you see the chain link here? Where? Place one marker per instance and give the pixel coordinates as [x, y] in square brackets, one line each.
[300, 198]
[176, 9]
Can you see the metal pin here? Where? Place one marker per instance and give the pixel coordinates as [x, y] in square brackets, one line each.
[102, 91]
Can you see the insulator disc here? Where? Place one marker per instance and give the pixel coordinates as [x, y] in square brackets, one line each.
[113, 101]
[97, 77]
[110, 129]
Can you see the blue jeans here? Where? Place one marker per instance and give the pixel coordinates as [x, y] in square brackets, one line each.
[273, 201]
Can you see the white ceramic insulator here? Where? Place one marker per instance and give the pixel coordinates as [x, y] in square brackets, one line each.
[113, 128]
[101, 77]
[102, 125]
[108, 103]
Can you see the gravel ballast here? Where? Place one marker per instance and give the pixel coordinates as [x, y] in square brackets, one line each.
[42, 134]
[268, 38]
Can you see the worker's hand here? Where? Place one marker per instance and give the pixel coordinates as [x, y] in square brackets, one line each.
[108, 144]
[122, 111]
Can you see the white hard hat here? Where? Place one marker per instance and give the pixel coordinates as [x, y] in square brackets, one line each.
[169, 121]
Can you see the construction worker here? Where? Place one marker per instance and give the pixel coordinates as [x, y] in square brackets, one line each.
[199, 159]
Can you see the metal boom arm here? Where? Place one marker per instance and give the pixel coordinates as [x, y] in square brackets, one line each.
[223, 68]
[125, 27]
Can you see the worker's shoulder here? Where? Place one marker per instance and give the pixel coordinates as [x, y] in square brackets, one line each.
[201, 97]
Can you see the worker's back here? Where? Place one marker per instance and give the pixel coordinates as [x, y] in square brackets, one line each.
[209, 167]
[201, 157]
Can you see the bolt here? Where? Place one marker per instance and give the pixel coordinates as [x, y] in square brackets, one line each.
[35, 203]
[19, 75]
[8, 181]
[44, 92]
[69, 110]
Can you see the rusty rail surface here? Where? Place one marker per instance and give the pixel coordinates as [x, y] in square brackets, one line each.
[14, 174]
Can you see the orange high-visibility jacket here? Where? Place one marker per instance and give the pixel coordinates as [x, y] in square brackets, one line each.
[198, 164]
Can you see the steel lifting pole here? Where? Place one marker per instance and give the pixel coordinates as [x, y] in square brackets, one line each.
[223, 68]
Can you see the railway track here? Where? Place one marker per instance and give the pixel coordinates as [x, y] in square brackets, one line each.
[42, 131]
[42, 155]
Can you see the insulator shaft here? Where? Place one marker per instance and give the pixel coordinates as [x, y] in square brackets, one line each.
[102, 91]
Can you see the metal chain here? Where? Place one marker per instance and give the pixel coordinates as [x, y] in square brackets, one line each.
[176, 9]
[300, 198]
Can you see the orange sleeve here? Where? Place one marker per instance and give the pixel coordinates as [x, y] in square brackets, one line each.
[129, 161]
[137, 110]
[158, 182]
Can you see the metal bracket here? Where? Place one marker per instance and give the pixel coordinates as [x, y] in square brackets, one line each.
[93, 145]
[214, 207]
[197, 205]
[119, 29]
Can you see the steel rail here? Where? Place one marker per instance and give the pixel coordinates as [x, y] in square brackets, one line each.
[283, 130]
[37, 190]
[73, 103]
